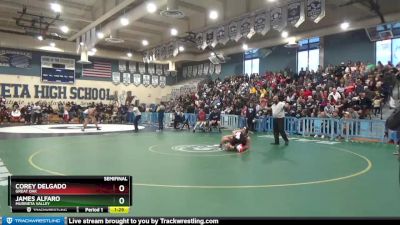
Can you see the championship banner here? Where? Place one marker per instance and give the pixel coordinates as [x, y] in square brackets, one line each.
[233, 31]
[200, 43]
[175, 51]
[126, 78]
[136, 79]
[132, 67]
[163, 81]
[57, 70]
[165, 69]
[159, 69]
[163, 52]
[157, 53]
[279, 18]
[184, 71]
[170, 50]
[15, 58]
[200, 70]
[211, 71]
[142, 68]
[246, 27]
[154, 81]
[116, 78]
[211, 38]
[262, 22]
[194, 71]
[221, 35]
[190, 71]
[121, 66]
[296, 15]
[218, 69]
[316, 10]
[205, 69]
[151, 69]
[146, 80]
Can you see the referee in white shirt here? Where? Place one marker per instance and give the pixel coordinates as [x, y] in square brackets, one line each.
[278, 113]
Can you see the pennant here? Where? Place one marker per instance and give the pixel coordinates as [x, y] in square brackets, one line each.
[142, 68]
[190, 71]
[316, 10]
[218, 69]
[159, 69]
[150, 69]
[165, 69]
[200, 41]
[296, 15]
[195, 68]
[211, 71]
[211, 39]
[205, 69]
[200, 70]
[185, 72]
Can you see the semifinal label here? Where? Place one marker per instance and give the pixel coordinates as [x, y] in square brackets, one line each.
[72, 191]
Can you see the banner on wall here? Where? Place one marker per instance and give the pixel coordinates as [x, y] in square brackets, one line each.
[296, 15]
[316, 10]
[142, 68]
[195, 68]
[154, 80]
[205, 68]
[278, 18]
[165, 69]
[262, 22]
[151, 69]
[136, 79]
[57, 70]
[97, 69]
[210, 38]
[126, 78]
[200, 70]
[132, 67]
[218, 69]
[222, 36]
[211, 71]
[159, 69]
[15, 58]
[116, 78]
[163, 81]
[233, 31]
[122, 66]
[246, 27]
[190, 71]
[185, 72]
[146, 80]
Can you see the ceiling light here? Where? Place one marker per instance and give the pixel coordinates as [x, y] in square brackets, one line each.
[124, 21]
[151, 7]
[40, 38]
[64, 29]
[81, 43]
[212, 54]
[345, 25]
[285, 34]
[181, 48]
[271, 0]
[100, 35]
[52, 44]
[174, 32]
[94, 50]
[145, 43]
[55, 7]
[245, 47]
[91, 53]
[213, 15]
[129, 54]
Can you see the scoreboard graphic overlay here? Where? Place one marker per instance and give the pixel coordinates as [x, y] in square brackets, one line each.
[75, 194]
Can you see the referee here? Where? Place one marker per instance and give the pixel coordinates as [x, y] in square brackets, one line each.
[278, 113]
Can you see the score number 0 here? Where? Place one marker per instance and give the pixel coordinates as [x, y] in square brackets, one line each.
[121, 200]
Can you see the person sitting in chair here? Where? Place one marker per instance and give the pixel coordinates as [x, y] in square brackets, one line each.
[214, 118]
[201, 121]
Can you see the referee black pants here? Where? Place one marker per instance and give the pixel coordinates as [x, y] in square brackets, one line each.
[279, 129]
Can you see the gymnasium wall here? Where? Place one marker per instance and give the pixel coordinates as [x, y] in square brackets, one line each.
[12, 78]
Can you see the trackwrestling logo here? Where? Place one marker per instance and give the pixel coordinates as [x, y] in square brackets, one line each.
[197, 148]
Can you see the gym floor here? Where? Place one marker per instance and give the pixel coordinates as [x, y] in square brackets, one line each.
[185, 174]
